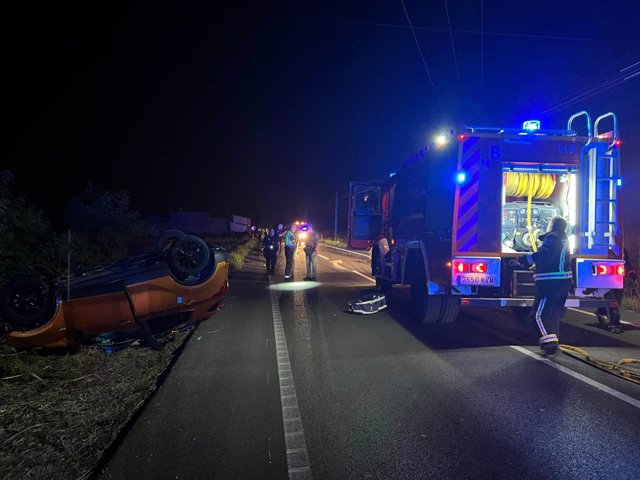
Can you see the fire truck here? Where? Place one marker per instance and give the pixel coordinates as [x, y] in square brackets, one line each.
[454, 219]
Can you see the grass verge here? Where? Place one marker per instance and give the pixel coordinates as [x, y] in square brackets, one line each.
[335, 243]
[631, 303]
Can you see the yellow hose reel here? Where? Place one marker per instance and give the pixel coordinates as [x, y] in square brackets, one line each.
[531, 185]
[541, 185]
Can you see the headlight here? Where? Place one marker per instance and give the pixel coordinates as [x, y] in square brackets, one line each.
[302, 235]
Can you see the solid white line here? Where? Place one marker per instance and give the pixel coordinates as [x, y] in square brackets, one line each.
[594, 315]
[348, 251]
[364, 276]
[322, 256]
[285, 375]
[600, 386]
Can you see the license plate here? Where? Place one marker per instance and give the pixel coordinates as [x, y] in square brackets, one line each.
[481, 279]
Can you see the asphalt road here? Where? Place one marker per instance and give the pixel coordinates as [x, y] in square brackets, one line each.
[283, 383]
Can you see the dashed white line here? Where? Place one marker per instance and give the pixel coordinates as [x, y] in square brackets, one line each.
[297, 456]
[322, 256]
[600, 386]
[364, 276]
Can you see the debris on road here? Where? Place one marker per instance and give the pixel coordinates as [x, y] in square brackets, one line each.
[368, 304]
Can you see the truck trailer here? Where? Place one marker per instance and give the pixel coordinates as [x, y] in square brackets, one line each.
[454, 219]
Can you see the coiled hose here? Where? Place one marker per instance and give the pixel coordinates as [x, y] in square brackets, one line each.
[533, 185]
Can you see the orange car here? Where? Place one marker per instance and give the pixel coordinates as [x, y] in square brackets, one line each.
[185, 276]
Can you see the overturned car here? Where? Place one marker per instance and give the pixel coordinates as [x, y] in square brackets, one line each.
[183, 276]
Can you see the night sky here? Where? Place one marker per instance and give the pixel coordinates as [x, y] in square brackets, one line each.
[267, 109]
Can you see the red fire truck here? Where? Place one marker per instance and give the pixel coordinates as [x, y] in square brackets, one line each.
[451, 222]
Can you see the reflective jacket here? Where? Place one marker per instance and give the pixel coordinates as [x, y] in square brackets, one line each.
[289, 239]
[552, 260]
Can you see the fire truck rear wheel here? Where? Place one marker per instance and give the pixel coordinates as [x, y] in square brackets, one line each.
[425, 308]
[450, 309]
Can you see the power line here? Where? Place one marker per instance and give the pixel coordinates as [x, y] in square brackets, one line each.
[623, 75]
[418, 45]
[453, 46]
[476, 32]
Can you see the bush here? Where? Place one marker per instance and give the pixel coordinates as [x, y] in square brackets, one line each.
[631, 303]
[237, 255]
[28, 244]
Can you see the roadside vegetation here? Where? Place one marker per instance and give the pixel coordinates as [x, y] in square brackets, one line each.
[339, 242]
[631, 303]
[61, 411]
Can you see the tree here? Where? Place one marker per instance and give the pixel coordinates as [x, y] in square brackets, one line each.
[104, 228]
[28, 244]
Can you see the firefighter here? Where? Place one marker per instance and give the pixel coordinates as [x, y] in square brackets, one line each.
[553, 281]
[270, 247]
[290, 245]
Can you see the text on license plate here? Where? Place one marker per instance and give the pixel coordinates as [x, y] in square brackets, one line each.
[481, 279]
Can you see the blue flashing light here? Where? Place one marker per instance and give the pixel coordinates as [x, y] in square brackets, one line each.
[531, 125]
[618, 182]
[461, 177]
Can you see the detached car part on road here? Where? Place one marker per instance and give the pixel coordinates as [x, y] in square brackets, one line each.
[185, 276]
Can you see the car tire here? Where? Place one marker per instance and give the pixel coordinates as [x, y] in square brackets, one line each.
[26, 303]
[167, 239]
[188, 255]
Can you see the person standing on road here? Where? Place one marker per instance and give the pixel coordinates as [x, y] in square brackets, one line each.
[290, 245]
[311, 252]
[270, 247]
[553, 281]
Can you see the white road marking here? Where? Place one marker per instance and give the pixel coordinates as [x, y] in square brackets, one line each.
[297, 456]
[366, 255]
[322, 256]
[594, 315]
[338, 264]
[364, 276]
[600, 386]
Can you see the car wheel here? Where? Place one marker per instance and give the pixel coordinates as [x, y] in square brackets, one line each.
[167, 238]
[188, 255]
[26, 303]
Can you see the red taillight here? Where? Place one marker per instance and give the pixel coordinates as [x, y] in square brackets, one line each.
[479, 268]
[461, 137]
[608, 269]
[460, 267]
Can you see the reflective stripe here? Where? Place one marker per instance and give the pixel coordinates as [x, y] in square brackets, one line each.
[551, 337]
[562, 255]
[553, 276]
[539, 316]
